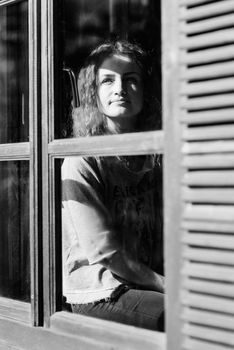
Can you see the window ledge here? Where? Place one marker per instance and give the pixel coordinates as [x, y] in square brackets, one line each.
[111, 334]
[70, 331]
[15, 310]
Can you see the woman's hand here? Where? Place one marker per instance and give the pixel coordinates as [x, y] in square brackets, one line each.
[134, 272]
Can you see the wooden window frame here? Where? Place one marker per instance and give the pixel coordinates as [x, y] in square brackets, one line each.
[57, 327]
[11, 309]
[125, 144]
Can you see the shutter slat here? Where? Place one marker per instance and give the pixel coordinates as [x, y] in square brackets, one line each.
[203, 113]
[209, 240]
[208, 71]
[208, 117]
[208, 195]
[209, 287]
[207, 302]
[208, 10]
[209, 256]
[208, 318]
[207, 55]
[209, 161]
[209, 132]
[209, 272]
[209, 178]
[208, 147]
[206, 87]
[204, 226]
[219, 37]
[208, 102]
[207, 24]
[191, 344]
[209, 212]
[225, 337]
[192, 2]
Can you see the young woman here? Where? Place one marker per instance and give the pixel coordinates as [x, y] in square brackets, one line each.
[112, 227]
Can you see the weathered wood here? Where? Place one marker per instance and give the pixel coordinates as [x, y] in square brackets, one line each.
[207, 147]
[208, 117]
[209, 178]
[192, 2]
[114, 334]
[8, 2]
[208, 255]
[207, 10]
[35, 165]
[135, 143]
[208, 195]
[207, 24]
[172, 159]
[207, 302]
[206, 226]
[208, 318]
[209, 240]
[211, 272]
[216, 101]
[209, 132]
[208, 71]
[207, 55]
[18, 336]
[207, 87]
[208, 287]
[222, 36]
[15, 310]
[194, 344]
[222, 336]
[47, 115]
[209, 212]
[11, 151]
[215, 161]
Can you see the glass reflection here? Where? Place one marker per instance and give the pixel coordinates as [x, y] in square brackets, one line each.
[86, 24]
[112, 238]
[14, 228]
[14, 73]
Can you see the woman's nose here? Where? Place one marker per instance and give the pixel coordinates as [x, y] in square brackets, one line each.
[120, 87]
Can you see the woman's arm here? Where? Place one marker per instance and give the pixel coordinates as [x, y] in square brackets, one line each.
[83, 203]
[134, 272]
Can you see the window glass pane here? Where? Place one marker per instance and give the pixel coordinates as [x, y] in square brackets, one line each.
[112, 238]
[14, 228]
[83, 26]
[14, 73]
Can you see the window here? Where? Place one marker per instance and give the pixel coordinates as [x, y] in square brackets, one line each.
[198, 117]
[82, 28]
[14, 159]
[197, 142]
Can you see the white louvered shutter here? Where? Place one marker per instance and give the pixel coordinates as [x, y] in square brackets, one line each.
[204, 114]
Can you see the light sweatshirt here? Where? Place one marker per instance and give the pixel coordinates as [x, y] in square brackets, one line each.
[109, 204]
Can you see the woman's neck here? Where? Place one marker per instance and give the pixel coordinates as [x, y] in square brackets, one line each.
[121, 125]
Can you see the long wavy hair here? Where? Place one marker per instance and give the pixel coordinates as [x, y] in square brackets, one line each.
[87, 119]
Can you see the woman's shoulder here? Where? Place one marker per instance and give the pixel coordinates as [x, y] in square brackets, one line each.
[79, 164]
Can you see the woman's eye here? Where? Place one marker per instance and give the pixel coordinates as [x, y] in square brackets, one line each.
[107, 81]
[132, 80]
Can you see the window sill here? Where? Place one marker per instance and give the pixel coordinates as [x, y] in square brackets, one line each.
[18, 311]
[70, 331]
[100, 332]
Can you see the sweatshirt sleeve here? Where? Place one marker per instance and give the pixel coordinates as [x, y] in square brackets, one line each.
[87, 218]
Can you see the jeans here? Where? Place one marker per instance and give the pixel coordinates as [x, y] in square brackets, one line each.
[140, 308]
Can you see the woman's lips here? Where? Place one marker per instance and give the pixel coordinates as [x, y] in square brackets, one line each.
[120, 101]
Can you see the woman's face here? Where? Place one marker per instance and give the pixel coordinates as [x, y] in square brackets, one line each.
[120, 89]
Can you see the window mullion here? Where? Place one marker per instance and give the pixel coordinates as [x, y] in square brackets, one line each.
[122, 144]
[35, 156]
[47, 90]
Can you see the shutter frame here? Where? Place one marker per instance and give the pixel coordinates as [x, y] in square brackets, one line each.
[198, 108]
